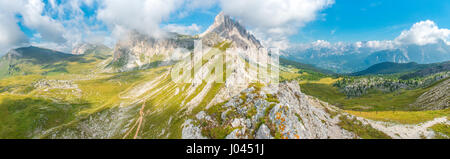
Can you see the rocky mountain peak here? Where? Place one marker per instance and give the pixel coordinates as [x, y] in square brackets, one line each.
[225, 28]
[137, 50]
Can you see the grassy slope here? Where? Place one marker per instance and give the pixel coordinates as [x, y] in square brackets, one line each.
[392, 107]
[172, 113]
[307, 67]
[376, 105]
[442, 131]
[360, 129]
[25, 111]
[390, 68]
[373, 101]
[22, 115]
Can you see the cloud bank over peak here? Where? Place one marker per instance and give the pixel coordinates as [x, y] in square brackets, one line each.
[143, 16]
[275, 20]
[421, 33]
[48, 28]
[181, 29]
[62, 24]
[53, 24]
[11, 34]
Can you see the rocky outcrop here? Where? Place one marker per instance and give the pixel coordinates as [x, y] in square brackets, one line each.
[55, 84]
[263, 132]
[273, 112]
[110, 123]
[437, 98]
[191, 131]
[355, 87]
[225, 28]
[141, 51]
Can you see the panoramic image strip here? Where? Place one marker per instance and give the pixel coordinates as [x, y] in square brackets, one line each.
[224, 69]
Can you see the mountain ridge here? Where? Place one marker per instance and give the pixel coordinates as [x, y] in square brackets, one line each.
[132, 92]
[227, 29]
[395, 68]
[347, 58]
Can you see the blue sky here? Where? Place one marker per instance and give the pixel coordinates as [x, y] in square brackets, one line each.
[364, 20]
[354, 20]
[60, 24]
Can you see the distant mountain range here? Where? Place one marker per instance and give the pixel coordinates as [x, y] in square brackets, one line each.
[353, 58]
[156, 88]
[429, 70]
[309, 67]
[393, 68]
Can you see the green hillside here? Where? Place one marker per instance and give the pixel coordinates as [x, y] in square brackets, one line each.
[40, 61]
[413, 69]
[431, 69]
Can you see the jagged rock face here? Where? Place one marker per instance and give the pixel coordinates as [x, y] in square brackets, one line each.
[397, 56]
[293, 116]
[301, 116]
[437, 98]
[138, 50]
[263, 132]
[225, 28]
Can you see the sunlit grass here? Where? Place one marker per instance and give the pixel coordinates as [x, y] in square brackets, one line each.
[442, 130]
[327, 80]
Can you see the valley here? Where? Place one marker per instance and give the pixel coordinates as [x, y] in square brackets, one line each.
[130, 92]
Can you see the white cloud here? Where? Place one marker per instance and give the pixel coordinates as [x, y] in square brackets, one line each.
[143, 16]
[195, 5]
[333, 31]
[50, 29]
[276, 19]
[423, 33]
[89, 2]
[55, 30]
[10, 34]
[380, 45]
[181, 29]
